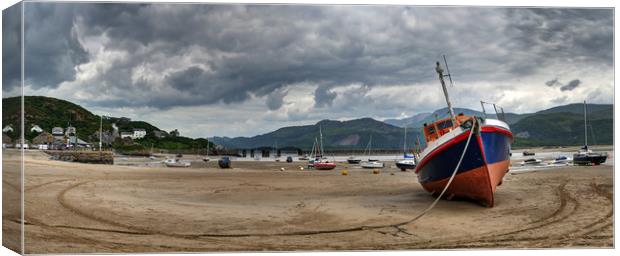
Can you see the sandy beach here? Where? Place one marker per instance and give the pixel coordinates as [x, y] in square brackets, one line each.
[256, 206]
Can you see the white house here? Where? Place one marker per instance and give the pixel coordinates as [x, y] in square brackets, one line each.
[138, 133]
[58, 131]
[36, 128]
[70, 131]
[126, 135]
[7, 128]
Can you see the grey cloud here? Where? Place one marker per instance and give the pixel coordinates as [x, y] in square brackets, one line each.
[52, 49]
[276, 99]
[571, 85]
[247, 50]
[11, 48]
[553, 82]
[323, 96]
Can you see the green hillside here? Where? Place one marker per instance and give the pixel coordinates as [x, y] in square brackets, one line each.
[48, 112]
[564, 128]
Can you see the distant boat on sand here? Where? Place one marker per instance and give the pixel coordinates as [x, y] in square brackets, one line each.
[586, 156]
[371, 163]
[175, 162]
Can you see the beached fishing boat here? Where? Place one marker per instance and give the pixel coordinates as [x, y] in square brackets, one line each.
[586, 156]
[371, 163]
[175, 162]
[474, 149]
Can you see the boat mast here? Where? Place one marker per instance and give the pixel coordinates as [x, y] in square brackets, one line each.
[321, 136]
[585, 126]
[445, 90]
[369, 145]
[405, 142]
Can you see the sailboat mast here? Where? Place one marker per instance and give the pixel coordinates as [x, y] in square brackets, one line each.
[585, 126]
[405, 142]
[321, 135]
[445, 91]
[369, 145]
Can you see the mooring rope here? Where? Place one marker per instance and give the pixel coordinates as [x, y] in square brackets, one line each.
[365, 227]
[328, 231]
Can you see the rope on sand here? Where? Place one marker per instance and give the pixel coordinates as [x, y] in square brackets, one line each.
[361, 228]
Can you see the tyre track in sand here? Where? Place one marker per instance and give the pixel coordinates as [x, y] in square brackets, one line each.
[523, 238]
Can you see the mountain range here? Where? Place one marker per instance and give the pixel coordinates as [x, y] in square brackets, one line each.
[557, 126]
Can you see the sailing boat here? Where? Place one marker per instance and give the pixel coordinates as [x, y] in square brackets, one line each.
[313, 154]
[321, 163]
[276, 156]
[585, 156]
[472, 153]
[371, 163]
[409, 160]
[206, 158]
[151, 155]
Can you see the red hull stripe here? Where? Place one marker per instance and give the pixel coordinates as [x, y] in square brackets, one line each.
[498, 130]
[444, 146]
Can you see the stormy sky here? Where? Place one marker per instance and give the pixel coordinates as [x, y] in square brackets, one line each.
[231, 70]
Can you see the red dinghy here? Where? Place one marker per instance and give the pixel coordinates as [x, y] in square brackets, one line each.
[324, 165]
[485, 161]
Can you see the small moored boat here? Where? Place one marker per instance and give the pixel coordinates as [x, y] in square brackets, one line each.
[175, 162]
[527, 153]
[561, 160]
[372, 164]
[405, 164]
[353, 160]
[224, 162]
[586, 156]
[531, 161]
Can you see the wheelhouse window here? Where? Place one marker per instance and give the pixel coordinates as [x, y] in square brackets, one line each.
[445, 124]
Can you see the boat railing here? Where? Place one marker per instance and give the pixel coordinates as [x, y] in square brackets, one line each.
[499, 114]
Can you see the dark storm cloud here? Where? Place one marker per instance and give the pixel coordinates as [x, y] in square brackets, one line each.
[52, 49]
[323, 97]
[11, 48]
[235, 51]
[571, 85]
[553, 82]
[276, 99]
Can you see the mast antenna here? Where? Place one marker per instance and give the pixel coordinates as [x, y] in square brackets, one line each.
[449, 75]
[445, 90]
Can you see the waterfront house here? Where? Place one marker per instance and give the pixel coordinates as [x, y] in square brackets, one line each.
[43, 140]
[126, 135]
[138, 133]
[58, 131]
[7, 128]
[6, 141]
[36, 128]
[70, 131]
